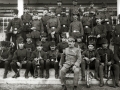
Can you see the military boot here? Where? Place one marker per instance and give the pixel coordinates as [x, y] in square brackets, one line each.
[5, 74]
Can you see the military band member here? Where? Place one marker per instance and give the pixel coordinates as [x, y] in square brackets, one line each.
[74, 9]
[64, 21]
[80, 44]
[53, 56]
[14, 28]
[21, 58]
[38, 57]
[53, 27]
[99, 31]
[107, 61]
[90, 55]
[45, 18]
[63, 44]
[58, 9]
[75, 27]
[26, 19]
[5, 57]
[70, 59]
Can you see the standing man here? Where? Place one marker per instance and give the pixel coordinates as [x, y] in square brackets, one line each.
[14, 28]
[59, 8]
[71, 59]
[26, 18]
[53, 27]
[74, 10]
[76, 27]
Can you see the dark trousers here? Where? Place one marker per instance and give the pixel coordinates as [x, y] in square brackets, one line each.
[52, 64]
[94, 65]
[8, 36]
[114, 69]
[14, 66]
[56, 39]
[34, 65]
[6, 65]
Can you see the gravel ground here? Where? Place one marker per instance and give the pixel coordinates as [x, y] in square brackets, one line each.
[51, 87]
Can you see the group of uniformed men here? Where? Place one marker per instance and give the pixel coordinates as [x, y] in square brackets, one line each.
[62, 42]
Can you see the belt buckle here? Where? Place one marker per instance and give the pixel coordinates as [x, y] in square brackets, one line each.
[118, 35]
[52, 59]
[58, 15]
[27, 24]
[86, 26]
[64, 25]
[53, 27]
[15, 28]
[108, 22]
[75, 31]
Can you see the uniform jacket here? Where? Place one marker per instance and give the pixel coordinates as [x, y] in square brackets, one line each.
[35, 34]
[38, 24]
[26, 18]
[77, 26]
[102, 52]
[72, 57]
[36, 54]
[117, 56]
[15, 23]
[81, 46]
[58, 10]
[44, 19]
[53, 22]
[91, 54]
[21, 55]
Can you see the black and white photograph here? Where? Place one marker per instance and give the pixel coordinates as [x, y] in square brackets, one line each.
[59, 44]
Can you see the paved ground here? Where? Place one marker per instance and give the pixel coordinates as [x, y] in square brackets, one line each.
[52, 87]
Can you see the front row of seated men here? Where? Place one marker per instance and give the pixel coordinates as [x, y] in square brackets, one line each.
[70, 58]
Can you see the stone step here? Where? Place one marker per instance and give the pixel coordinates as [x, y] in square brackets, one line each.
[51, 80]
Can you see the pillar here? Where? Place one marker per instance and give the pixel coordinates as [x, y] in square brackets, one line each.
[20, 4]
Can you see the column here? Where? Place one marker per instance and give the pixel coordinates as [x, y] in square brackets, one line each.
[20, 7]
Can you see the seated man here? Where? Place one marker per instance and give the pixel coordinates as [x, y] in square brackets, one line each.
[53, 56]
[107, 60]
[92, 56]
[72, 61]
[21, 57]
[38, 57]
[5, 56]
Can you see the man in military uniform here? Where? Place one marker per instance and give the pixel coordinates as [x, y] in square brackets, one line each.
[79, 43]
[21, 58]
[45, 18]
[75, 27]
[16, 25]
[40, 56]
[53, 56]
[99, 31]
[63, 44]
[26, 18]
[64, 21]
[58, 9]
[92, 56]
[70, 59]
[53, 27]
[107, 60]
[74, 10]
[5, 57]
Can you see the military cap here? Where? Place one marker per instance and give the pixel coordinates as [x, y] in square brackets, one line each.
[104, 41]
[104, 5]
[59, 0]
[39, 43]
[43, 34]
[91, 43]
[71, 39]
[15, 11]
[35, 12]
[52, 44]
